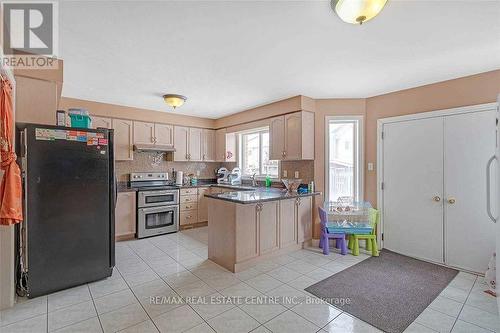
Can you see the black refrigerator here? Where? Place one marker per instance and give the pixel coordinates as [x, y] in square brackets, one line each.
[69, 189]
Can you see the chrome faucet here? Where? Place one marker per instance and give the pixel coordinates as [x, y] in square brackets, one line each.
[254, 182]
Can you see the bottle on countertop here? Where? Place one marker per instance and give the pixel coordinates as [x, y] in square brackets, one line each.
[310, 187]
[268, 181]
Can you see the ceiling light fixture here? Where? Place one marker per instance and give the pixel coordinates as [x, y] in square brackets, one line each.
[357, 11]
[174, 100]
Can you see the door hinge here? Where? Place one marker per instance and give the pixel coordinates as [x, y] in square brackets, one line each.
[383, 135]
[382, 236]
[382, 186]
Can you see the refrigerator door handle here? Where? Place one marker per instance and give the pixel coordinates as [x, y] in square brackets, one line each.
[488, 190]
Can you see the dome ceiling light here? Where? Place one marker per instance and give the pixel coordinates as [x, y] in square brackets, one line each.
[357, 11]
[174, 100]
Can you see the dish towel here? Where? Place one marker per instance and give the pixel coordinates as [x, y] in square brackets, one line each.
[11, 207]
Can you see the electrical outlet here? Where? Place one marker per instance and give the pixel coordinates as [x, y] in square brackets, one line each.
[370, 166]
[285, 173]
[198, 173]
[296, 174]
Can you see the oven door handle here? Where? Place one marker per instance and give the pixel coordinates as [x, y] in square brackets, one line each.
[157, 209]
[156, 193]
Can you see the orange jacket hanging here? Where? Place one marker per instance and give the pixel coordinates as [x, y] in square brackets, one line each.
[11, 210]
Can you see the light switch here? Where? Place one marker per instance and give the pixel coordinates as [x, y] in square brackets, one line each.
[285, 174]
[296, 174]
[370, 166]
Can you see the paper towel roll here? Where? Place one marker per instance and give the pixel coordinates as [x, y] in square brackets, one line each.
[179, 178]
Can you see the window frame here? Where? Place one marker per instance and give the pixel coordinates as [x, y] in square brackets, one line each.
[359, 154]
[260, 131]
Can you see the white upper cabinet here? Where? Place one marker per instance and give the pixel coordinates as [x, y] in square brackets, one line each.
[277, 138]
[188, 144]
[164, 134]
[153, 133]
[292, 136]
[225, 146]
[181, 135]
[194, 144]
[208, 145]
[101, 122]
[123, 139]
[144, 132]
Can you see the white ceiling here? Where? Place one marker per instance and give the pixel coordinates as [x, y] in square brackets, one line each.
[234, 55]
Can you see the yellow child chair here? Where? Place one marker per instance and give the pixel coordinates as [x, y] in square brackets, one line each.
[371, 239]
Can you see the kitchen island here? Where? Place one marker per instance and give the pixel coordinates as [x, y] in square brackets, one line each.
[246, 226]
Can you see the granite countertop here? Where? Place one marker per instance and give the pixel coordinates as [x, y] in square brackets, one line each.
[122, 186]
[258, 195]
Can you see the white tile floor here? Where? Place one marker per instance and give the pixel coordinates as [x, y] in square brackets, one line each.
[176, 265]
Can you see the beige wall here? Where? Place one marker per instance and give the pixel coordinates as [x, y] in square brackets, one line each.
[118, 111]
[288, 105]
[469, 90]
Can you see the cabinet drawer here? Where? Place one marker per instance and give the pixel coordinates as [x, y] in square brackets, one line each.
[188, 199]
[189, 206]
[188, 217]
[189, 191]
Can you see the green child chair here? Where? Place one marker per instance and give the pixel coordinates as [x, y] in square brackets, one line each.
[371, 239]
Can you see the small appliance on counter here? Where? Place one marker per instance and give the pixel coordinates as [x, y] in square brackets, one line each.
[222, 176]
[235, 177]
[157, 203]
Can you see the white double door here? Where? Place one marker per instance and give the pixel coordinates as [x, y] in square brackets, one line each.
[434, 196]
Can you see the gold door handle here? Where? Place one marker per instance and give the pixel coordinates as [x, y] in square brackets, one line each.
[437, 198]
[452, 200]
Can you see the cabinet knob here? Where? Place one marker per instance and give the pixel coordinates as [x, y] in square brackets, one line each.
[452, 200]
[437, 198]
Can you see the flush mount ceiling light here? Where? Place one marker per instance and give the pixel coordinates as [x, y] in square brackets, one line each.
[357, 11]
[174, 100]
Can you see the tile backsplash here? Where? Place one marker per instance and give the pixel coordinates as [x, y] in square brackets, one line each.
[304, 168]
[145, 162]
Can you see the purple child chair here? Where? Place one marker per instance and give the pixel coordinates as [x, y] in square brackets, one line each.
[325, 236]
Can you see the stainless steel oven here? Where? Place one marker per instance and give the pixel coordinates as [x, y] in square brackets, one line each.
[157, 204]
[157, 220]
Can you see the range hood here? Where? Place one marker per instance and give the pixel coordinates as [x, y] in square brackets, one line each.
[144, 147]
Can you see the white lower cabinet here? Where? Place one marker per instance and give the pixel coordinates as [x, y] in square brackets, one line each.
[304, 219]
[269, 232]
[125, 215]
[434, 196]
[288, 223]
